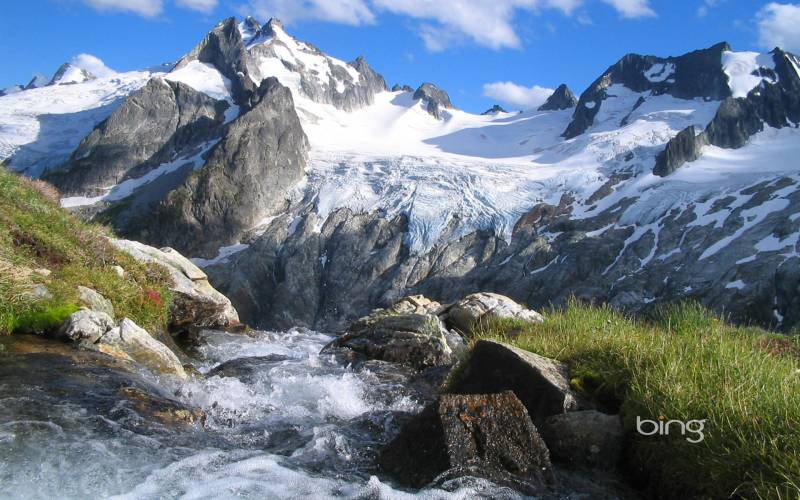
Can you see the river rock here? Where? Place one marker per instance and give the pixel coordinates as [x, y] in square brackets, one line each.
[95, 301]
[418, 340]
[473, 310]
[586, 438]
[128, 340]
[86, 326]
[195, 303]
[492, 431]
[244, 368]
[542, 384]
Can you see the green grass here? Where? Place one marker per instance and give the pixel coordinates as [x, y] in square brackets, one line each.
[36, 234]
[684, 363]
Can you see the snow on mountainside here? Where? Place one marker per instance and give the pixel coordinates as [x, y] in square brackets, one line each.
[40, 127]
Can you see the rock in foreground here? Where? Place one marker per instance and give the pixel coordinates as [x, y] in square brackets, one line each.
[473, 310]
[492, 432]
[542, 384]
[585, 438]
[195, 303]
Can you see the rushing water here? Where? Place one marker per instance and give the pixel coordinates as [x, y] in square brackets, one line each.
[297, 424]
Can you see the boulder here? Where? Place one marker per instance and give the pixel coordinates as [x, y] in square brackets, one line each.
[126, 341]
[488, 432]
[586, 438]
[418, 340]
[95, 301]
[415, 304]
[195, 303]
[474, 309]
[86, 326]
[542, 384]
[129, 341]
[245, 368]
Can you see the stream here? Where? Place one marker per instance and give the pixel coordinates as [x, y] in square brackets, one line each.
[282, 421]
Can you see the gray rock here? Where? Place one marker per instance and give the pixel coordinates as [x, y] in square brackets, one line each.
[418, 340]
[696, 74]
[494, 110]
[562, 98]
[131, 342]
[245, 178]
[86, 326]
[177, 117]
[682, 148]
[479, 308]
[95, 301]
[491, 432]
[435, 99]
[195, 303]
[585, 438]
[541, 384]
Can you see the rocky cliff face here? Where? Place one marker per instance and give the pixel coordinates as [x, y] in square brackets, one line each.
[562, 98]
[357, 262]
[692, 75]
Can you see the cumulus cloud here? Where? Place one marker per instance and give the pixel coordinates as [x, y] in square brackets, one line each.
[352, 12]
[146, 8]
[516, 95]
[198, 5]
[92, 64]
[632, 8]
[777, 26]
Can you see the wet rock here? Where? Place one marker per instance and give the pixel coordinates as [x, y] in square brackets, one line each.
[86, 326]
[195, 303]
[244, 368]
[418, 340]
[542, 384]
[470, 312]
[584, 438]
[491, 431]
[162, 410]
[562, 98]
[130, 342]
[95, 301]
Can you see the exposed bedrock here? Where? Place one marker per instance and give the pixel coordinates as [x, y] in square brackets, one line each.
[329, 276]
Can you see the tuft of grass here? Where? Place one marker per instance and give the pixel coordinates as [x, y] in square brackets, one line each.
[684, 363]
[35, 233]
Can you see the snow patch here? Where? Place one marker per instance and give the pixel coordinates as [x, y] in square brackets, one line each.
[659, 72]
[204, 78]
[740, 68]
[223, 255]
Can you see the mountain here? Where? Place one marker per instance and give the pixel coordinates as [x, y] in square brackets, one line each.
[312, 194]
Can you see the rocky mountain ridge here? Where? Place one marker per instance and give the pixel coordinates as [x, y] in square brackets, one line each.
[363, 195]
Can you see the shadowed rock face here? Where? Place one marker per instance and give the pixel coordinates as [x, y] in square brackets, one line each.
[490, 431]
[177, 117]
[435, 98]
[562, 98]
[775, 105]
[244, 179]
[692, 75]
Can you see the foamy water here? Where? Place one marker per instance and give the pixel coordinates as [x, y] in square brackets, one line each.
[302, 427]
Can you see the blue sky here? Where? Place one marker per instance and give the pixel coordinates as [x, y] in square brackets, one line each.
[480, 51]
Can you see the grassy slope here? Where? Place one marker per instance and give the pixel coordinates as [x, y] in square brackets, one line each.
[36, 234]
[685, 364]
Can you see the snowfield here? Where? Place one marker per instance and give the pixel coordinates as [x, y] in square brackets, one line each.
[41, 127]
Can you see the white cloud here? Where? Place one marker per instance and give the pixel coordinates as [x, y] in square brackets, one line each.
[517, 95]
[353, 12]
[778, 26]
[632, 8]
[485, 22]
[198, 5]
[146, 8]
[93, 65]
[707, 5]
